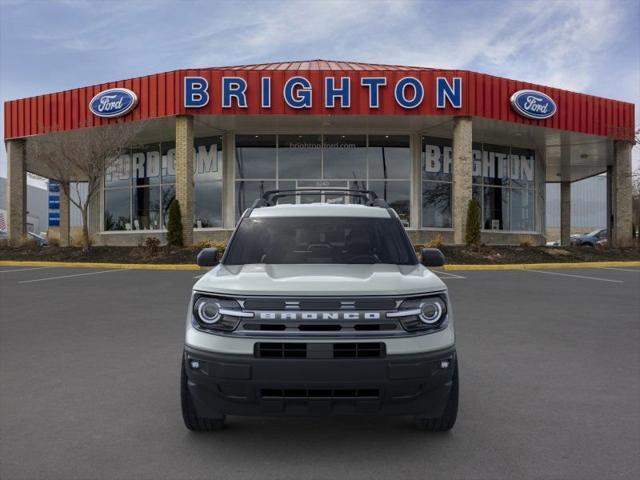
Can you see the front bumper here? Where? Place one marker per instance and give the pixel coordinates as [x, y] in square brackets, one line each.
[227, 384]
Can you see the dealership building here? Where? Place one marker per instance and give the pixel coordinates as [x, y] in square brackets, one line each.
[428, 140]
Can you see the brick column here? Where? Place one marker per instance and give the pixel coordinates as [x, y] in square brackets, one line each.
[416, 181]
[184, 174]
[65, 219]
[462, 175]
[228, 180]
[16, 191]
[565, 213]
[621, 185]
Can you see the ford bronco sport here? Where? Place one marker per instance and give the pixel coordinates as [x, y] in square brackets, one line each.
[319, 309]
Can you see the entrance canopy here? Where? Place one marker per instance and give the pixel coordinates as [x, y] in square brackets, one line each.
[576, 139]
[320, 87]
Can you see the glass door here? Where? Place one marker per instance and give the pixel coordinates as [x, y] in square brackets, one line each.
[324, 197]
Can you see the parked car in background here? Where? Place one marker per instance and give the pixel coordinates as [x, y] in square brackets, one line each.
[41, 239]
[591, 238]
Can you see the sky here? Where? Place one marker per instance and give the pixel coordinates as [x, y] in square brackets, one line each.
[590, 46]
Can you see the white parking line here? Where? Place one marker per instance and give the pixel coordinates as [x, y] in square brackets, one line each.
[449, 275]
[637, 270]
[576, 276]
[24, 269]
[198, 276]
[71, 276]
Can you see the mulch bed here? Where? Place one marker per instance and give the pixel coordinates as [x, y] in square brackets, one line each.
[515, 254]
[453, 254]
[100, 254]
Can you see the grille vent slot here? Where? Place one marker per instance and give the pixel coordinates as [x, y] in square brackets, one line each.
[303, 393]
[336, 350]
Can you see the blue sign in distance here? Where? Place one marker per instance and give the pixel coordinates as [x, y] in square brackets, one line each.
[54, 219]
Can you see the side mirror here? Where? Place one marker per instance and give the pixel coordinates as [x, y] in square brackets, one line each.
[431, 257]
[208, 257]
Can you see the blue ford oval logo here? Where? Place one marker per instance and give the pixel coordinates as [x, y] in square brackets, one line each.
[114, 102]
[533, 104]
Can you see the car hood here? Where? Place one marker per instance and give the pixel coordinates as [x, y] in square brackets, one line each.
[342, 280]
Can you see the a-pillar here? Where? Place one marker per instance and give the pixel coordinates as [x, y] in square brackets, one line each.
[621, 193]
[16, 191]
[565, 213]
[184, 174]
[462, 175]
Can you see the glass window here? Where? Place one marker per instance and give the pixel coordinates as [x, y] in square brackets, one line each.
[207, 159]
[522, 167]
[389, 157]
[397, 194]
[300, 156]
[117, 204]
[303, 240]
[437, 168]
[248, 191]
[168, 162]
[146, 208]
[476, 194]
[287, 185]
[476, 154]
[496, 208]
[495, 165]
[256, 156]
[522, 210]
[145, 165]
[118, 174]
[207, 176]
[345, 156]
[208, 205]
[437, 162]
[436, 204]
[168, 194]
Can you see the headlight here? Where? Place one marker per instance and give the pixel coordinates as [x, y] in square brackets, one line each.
[426, 313]
[208, 310]
[214, 313]
[431, 310]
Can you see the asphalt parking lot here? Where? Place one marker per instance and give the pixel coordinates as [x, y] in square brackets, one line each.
[549, 367]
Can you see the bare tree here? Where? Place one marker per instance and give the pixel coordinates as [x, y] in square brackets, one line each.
[82, 156]
[635, 178]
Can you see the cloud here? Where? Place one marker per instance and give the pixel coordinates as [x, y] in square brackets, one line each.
[584, 45]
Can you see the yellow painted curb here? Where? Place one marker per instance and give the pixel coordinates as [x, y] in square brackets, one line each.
[131, 266]
[542, 266]
[189, 266]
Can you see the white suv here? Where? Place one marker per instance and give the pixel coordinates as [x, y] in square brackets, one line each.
[319, 309]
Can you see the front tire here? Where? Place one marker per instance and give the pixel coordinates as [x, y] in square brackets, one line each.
[191, 419]
[448, 418]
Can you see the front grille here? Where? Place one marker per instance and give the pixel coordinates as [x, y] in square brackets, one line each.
[345, 327]
[320, 304]
[319, 350]
[305, 393]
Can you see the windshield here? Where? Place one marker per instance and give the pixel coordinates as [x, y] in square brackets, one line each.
[594, 233]
[303, 240]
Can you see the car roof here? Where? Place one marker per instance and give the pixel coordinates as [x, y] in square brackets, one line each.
[320, 210]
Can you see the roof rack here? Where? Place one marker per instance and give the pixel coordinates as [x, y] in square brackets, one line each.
[271, 197]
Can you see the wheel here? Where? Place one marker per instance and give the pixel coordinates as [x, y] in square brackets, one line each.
[448, 419]
[191, 419]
